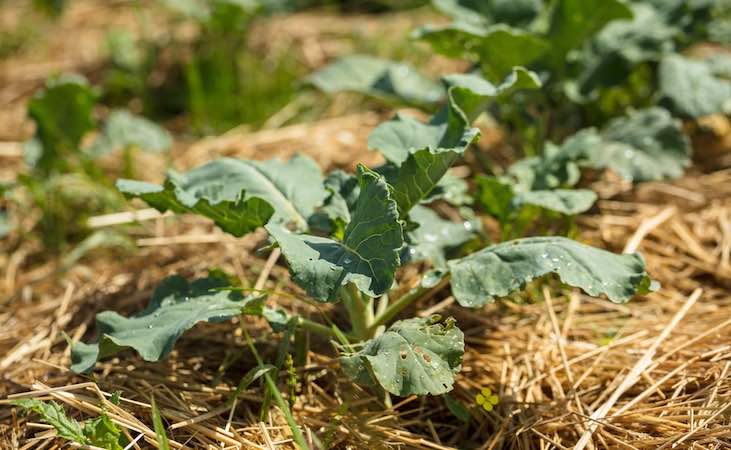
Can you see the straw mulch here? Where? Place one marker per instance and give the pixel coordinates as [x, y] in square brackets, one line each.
[570, 371]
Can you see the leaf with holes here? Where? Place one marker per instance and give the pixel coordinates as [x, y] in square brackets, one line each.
[413, 357]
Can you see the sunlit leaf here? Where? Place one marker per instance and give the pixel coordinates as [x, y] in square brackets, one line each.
[377, 77]
[691, 88]
[125, 130]
[367, 256]
[175, 306]
[501, 269]
[414, 356]
[239, 195]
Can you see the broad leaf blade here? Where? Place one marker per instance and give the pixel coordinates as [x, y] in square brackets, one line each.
[174, 307]
[497, 48]
[377, 77]
[449, 129]
[645, 145]
[500, 269]
[574, 21]
[564, 201]
[413, 357]
[63, 113]
[691, 89]
[239, 195]
[125, 130]
[368, 255]
[434, 236]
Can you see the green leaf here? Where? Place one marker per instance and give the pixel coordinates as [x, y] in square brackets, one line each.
[379, 78]
[434, 236]
[162, 437]
[53, 414]
[63, 114]
[513, 12]
[125, 130]
[414, 356]
[622, 44]
[574, 21]
[691, 89]
[645, 145]
[5, 225]
[498, 270]
[103, 433]
[174, 307]
[239, 195]
[449, 129]
[495, 195]
[564, 201]
[367, 256]
[457, 409]
[499, 198]
[498, 48]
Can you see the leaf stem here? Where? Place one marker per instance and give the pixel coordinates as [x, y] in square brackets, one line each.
[404, 301]
[315, 327]
[360, 311]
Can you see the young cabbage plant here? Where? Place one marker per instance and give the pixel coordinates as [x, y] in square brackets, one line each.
[63, 179]
[373, 219]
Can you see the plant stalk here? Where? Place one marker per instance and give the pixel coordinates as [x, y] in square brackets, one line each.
[404, 301]
[360, 311]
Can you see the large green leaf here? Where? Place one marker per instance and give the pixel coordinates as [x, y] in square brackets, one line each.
[449, 129]
[500, 198]
[564, 201]
[367, 256]
[574, 21]
[125, 130]
[239, 195]
[692, 89]
[175, 307]
[645, 145]
[63, 114]
[434, 236]
[498, 48]
[377, 77]
[501, 269]
[622, 44]
[513, 12]
[413, 357]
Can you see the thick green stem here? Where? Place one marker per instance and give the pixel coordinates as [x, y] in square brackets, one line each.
[403, 302]
[315, 327]
[360, 311]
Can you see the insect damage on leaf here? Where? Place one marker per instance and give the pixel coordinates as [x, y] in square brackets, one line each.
[415, 356]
